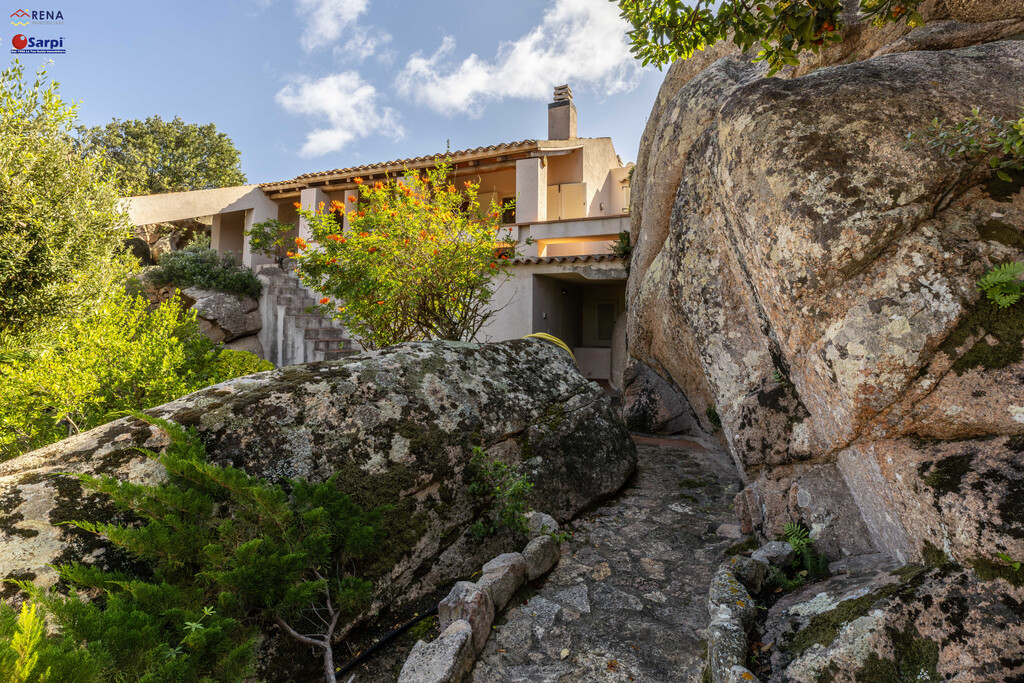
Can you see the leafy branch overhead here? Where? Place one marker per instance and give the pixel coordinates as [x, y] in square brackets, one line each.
[667, 30]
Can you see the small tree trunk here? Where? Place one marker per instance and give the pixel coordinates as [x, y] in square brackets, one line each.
[329, 676]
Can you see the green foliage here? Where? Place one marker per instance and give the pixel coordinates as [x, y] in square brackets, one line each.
[154, 156]
[1015, 564]
[666, 30]
[231, 363]
[61, 227]
[27, 655]
[420, 260]
[226, 552]
[994, 141]
[197, 265]
[1001, 284]
[622, 247]
[140, 631]
[270, 238]
[808, 565]
[506, 487]
[121, 357]
[713, 418]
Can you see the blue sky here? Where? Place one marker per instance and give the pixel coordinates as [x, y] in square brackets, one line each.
[309, 85]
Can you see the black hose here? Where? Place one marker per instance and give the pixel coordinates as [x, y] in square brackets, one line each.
[376, 646]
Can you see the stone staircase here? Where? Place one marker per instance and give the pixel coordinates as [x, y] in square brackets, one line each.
[290, 333]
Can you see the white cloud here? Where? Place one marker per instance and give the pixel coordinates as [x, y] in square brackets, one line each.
[364, 43]
[349, 106]
[326, 20]
[580, 42]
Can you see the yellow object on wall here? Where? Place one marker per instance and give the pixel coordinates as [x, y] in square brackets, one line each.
[553, 339]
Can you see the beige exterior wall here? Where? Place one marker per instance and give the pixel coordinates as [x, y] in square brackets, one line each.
[227, 232]
[176, 206]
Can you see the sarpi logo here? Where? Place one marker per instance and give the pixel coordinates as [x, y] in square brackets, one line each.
[46, 46]
[37, 16]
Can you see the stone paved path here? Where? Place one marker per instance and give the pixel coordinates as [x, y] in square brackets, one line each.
[627, 601]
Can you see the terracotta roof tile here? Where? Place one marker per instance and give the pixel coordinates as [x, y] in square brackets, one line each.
[404, 162]
[583, 258]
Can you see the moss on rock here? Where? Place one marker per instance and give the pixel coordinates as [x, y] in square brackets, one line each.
[1005, 325]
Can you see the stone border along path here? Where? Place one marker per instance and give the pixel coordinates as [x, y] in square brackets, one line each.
[628, 600]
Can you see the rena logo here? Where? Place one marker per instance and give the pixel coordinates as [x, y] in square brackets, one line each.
[19, 42]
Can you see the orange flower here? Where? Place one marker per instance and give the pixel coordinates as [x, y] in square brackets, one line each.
[343, 240]
[364, 234]
[362, 214]
[321, 206]
[300, 243]
[333, 261]
[357, 181]
[337, 206]
[325, 300]
[373, 249]
[336, 238]
[435, 252]
[423, 234]
[341, 309]
[493, 266]
[378, 185]
[297, 205]
[352, 199]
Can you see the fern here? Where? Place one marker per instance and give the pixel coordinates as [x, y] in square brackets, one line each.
[1001, 285]
[779, 578]
[27, 643]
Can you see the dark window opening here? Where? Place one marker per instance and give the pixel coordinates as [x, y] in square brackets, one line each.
[508, 210]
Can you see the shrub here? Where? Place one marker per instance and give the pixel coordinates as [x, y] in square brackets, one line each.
[197, 265]
[506, 487]
[270, 238]
[225, 552]
[995, 141]
[120, 358]
[233, 363]
[62, 230]
[421, 260]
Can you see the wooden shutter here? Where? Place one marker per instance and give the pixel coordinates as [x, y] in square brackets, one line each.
[574, 199]
[554, 208]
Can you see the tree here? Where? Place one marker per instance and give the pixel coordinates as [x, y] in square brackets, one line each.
[421, 259]
[155, 156]
[666, 30]
[121, 356]
[61, 228]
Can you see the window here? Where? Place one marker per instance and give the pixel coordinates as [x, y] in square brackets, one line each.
[508, 210]
[605, 320]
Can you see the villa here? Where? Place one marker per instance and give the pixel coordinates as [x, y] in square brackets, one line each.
[571, 197]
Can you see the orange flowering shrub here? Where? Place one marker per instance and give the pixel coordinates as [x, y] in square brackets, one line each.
[420, 260]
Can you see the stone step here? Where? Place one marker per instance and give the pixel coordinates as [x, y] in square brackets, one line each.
[320, 333]
[305, 322]
[299, 309]
[332, 344]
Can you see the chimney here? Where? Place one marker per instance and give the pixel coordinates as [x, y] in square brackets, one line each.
[562, 115]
